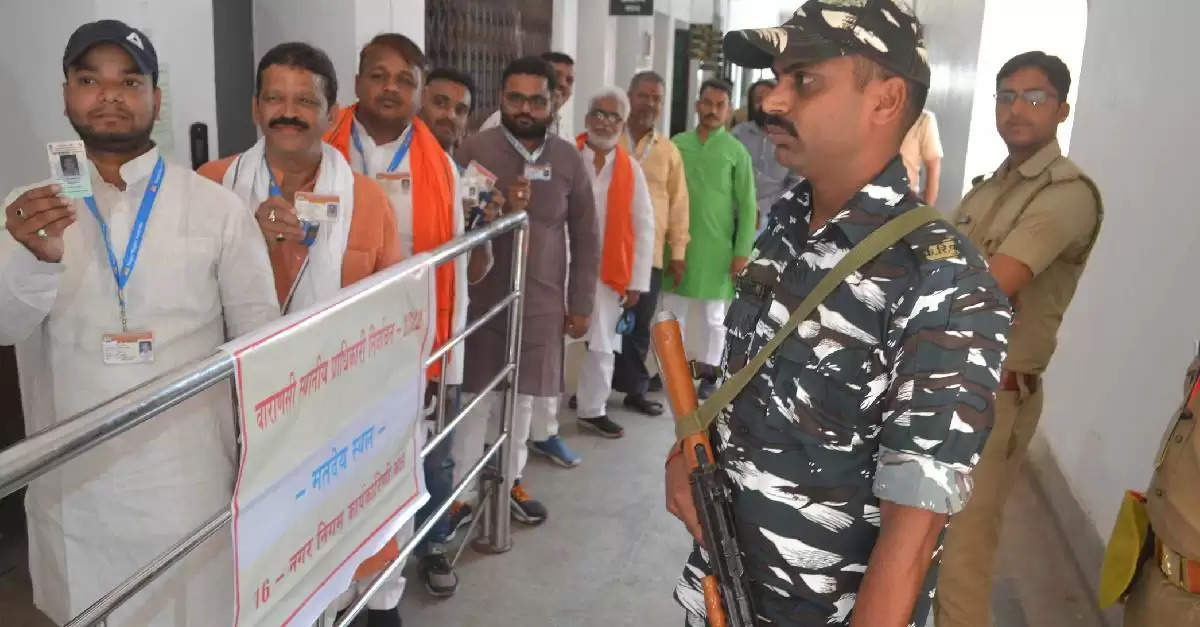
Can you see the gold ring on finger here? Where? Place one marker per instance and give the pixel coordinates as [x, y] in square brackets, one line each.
[19, 212]
[279, 237]
[271, 216]
[42, 234]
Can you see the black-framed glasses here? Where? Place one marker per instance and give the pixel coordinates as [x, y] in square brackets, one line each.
[1035, 97]
[605, 116]
[516, 100]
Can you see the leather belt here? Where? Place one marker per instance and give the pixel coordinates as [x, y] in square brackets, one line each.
[1011, 381]
[1179, 570]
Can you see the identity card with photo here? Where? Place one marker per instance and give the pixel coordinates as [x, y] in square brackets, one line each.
[128, 348]
[312, 207]
[69, 168]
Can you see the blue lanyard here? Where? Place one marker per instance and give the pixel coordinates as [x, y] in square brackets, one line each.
[121, 275]
[396, 159]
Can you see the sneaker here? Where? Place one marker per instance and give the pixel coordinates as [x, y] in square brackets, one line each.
[439, 576]
[603, 426]
[459, 517]
[524, 508]
[573, 402]
[384, 618]
[706, 390]
[656, 384]
[556, 451]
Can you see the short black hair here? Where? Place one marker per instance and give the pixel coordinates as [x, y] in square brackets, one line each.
[558, 57]
[533, 66]
[454, 76]
[647, 76]
[769, 82]
[401, 45]
[716, 83]
[304, 56]
[867, 70]
[1053, 67]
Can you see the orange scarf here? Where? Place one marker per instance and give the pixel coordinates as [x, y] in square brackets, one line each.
[433, 206]
[616, 267]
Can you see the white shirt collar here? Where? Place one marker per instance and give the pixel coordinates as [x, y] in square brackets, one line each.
[140, 168]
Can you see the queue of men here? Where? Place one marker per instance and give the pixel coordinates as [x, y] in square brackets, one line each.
[869, 459]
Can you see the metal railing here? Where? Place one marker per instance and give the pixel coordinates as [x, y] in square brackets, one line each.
[45, 450]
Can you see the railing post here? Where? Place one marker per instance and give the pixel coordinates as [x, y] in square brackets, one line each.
[498, 532]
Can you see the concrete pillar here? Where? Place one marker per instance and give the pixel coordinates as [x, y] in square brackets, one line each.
[595, 61]
[564, 31]
[635, 46]
[664, 61]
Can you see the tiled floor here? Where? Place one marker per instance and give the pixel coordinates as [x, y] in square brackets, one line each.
[609, 553]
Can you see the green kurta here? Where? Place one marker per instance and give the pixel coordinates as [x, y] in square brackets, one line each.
[720, 179]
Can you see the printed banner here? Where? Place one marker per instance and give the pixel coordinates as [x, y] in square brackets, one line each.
[330, 467]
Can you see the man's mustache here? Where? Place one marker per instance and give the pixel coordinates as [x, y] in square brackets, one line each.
[282, 121]
[782, 123]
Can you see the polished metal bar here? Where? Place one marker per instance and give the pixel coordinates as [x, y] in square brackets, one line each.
[142, 578]
[440, 408]
[465, 411]
[361, 602]
[471, 328]
[46, 450]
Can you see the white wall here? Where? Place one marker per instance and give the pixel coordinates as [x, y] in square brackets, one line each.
[564, 38]
[1007, 32]
[32, 38]
[327, 25]
[595, 59]
[1133, 325]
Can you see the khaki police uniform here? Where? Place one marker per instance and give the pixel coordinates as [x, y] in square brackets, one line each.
[1167, 590]
[1046, 214]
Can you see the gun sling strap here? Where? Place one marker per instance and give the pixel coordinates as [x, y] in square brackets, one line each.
[866, 250]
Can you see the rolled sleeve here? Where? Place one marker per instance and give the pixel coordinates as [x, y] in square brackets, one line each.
[1060, 221]
[948, 341]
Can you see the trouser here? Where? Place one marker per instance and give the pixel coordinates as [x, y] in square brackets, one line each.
[595, 376]
[439, 480]
[630, 375]
[1154, 602]
[702, 323]
[965, 581]
[485, 421]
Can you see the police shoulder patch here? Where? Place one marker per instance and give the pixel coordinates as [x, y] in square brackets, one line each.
[945, 249]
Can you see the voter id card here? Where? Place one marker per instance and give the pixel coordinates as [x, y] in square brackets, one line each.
[538, 172]
[312, 207]
[396, 180]
[128, 348]
[69, 168]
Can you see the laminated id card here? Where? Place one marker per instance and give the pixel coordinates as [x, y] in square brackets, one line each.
[69, 168]
[538, 172]
[396, 180]
[134, 347]
[312, 207]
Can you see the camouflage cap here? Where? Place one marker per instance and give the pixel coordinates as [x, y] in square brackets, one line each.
[886, 31]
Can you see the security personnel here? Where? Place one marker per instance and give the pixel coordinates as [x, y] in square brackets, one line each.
[1036, 219]
[849, 448]
[1167, 590]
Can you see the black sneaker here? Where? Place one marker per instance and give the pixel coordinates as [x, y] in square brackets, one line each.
[524, 508]
[384, 618]
[573, 403]
[439, 576]
[706, 390]
[655, 384]
[602, 426]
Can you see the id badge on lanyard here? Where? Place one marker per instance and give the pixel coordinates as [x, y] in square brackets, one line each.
[310, 227]
[533, 171]
[126, 347]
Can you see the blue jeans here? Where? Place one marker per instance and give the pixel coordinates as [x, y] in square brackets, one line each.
[439, 479]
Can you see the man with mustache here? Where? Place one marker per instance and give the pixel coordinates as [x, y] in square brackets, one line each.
[447, 104]
[723, 222]
[154, 270]
[294, 106]
[1036, 218]
[850, 446]
[663, 167]
[624, 208]
[771, 179]
[564, 73]
[545, 174]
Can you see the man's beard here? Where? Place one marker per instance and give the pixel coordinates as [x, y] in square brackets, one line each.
[758, 116]
[601, 142]
[537, 130]
[113, 143]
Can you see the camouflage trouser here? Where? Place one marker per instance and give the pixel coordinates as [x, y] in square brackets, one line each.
[965, 583]
[1154, 601]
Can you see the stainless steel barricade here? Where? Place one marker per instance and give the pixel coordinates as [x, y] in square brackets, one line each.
[45, 450]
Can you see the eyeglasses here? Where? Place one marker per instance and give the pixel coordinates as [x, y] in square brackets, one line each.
[605, 116]
[518, 100]
[1035, 97]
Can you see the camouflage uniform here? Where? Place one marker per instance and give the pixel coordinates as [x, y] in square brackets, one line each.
[885, 392]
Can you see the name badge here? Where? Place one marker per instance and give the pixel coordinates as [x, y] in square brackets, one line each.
[122, 349]
[396, 180]
[312, 207]
[538, 172]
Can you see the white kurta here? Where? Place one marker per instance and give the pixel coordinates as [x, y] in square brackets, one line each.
[602, 333]
[203, 276]
[377, 159]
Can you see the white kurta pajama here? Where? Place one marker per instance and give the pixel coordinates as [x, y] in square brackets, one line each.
[595, 373]
[203, 276]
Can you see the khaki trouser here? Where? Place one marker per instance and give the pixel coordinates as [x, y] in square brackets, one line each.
[964, 589]
[1155, 602]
